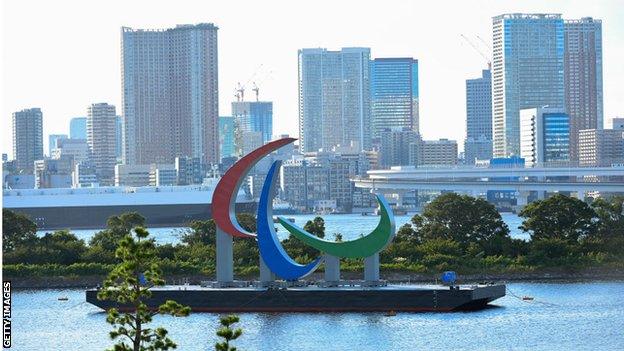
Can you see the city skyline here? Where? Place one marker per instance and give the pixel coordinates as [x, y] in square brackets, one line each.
[399, 30]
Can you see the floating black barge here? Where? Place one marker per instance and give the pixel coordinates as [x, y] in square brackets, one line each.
[322, 299]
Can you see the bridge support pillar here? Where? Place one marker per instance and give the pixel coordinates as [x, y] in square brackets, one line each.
[225, 257]
[580, 194]
[522, 200]
[332, 268]
[371, 268]
[541, 195]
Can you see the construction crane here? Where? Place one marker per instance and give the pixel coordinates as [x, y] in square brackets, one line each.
[476, 48]
[256, 89]
[239, 91]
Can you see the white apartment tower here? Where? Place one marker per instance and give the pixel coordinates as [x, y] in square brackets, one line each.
[170, 94]
[101, 139]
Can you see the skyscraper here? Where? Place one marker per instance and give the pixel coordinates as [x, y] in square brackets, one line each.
[254, 116]
[334, 98]
[478, 144]
[527, 72]
[170, 94]
[394, 95]
[583, 77]
[101, 138]
[78, 128]
[27, 138]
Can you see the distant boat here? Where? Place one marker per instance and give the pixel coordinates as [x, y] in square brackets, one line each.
[63, 298]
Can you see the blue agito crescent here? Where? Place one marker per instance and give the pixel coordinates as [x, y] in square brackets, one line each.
[271, 250]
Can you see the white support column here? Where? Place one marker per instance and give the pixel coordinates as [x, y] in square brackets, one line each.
[541, 195]
[332, 268]
[581, 194]
[266, 276]
[371, 268]
[225, 264]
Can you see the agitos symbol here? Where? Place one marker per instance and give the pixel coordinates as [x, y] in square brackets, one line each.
[271, 250]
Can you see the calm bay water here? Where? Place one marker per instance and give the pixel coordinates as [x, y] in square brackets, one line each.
[563, 316]
[350, 226]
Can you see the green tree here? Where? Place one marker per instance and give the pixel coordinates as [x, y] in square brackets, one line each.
[103, 244]
[60, 247]
[204, 232]
[610, 214]
[559, 217]
[17, 230]
[128, 284]
[464, 220]
[226, 332]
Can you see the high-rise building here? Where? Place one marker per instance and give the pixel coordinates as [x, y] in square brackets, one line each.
[170, 94]
[334, 98]
[601, 147]
[394, 95]
[78, 128]
[52, 141]
[583, 77]
[478, 144]
[527, 71]
[118, 136]
[101, 138]
[27, 138]
[545, 137]
[226, 137]
[394, 147]
[254, 116]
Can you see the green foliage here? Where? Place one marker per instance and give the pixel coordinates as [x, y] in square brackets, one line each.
[59, 247]
[201, 232]
[128, 284]
[117, 227]
[463, 219]
[297, 249]
[559, 217]
[17, 230]
[227, 333]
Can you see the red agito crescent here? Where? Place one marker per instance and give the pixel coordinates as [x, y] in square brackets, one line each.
[224, 196]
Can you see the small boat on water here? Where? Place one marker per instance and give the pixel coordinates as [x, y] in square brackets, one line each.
[63, 298]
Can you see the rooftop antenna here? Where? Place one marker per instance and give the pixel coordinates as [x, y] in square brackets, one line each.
[256, 90]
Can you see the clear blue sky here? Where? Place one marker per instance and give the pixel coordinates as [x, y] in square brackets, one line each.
[63, 55]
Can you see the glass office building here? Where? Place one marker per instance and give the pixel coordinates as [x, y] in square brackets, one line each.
[478, 144]
[527, 71]
[394, 95]
[254, 116]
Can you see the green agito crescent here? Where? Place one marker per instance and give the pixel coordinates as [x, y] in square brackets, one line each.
[359, 248]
